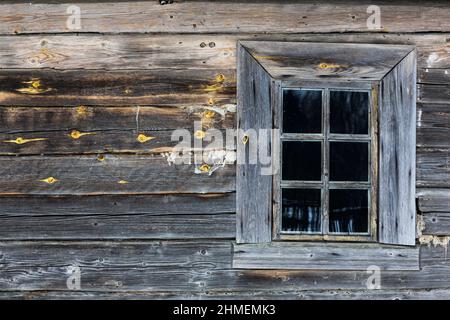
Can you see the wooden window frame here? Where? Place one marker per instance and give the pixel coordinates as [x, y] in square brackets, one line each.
[389, 73]
[325, 137]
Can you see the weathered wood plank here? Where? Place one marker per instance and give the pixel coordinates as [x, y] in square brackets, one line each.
[424, 294]
[397, 158]
[436, 223]
[433, 168]
[172, 52]
[435, 76]
[433, 93]
[253, 188]
[107, 254]
[204, 16]
[292, 61]
[208, 276]
[110, 174]
[100, 87]
[178, 204]
[433, 125]
[118, 226]
[435, 200]
[328, 256]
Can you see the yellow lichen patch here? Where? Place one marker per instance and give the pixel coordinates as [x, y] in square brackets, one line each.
[75, 134]
[245, 139]
[122, 182]
[209, 114]
[213, 87]
[34, 87]
[128, 91]
[205, 168]
[211, 101]
[49, 180]
[324, 65]
[200, 134]
[143, 138]
[21, 140]
[220, 78]
[81, 110]
[101, 157]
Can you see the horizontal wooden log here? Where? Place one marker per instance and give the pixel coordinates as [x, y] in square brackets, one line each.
[131, 87]
[82, 129]
[113, 269]
[433, 168]
[433, 93]
[124, 226]
[421, 294]
[433, 125]
[109, 174]
[170, 254]
[435, 76]
[433, 200]
[118, 204]
[328, 256]
[230, 17]
[175, 52]
[436, 223]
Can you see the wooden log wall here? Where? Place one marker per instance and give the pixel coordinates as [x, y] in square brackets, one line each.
[87, 178]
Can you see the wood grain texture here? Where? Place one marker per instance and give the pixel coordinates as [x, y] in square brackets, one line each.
[253, 188]
[433, 125]
[118, 226]
[333, 61]
[167, 204]
[115, 174]
[182, 268]
[225, 17]
[328, 256]
[166, 52]
[397, 161]
[433, 167]
[99, 87]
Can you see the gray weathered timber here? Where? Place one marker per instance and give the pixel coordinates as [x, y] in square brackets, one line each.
[225, 17]
[118, 226]
[211, 276]
[397, 161]
[155, 204]
[253, 189]
[335, 294]
[329, 256]
[16, 120]
[432, 167]
[315, 61]
[168, 87]
[433, 93]
[165, 53]
[433, 125]
[111, 174]
[434, 200]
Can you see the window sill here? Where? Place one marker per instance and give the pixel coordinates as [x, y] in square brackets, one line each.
[325, 256]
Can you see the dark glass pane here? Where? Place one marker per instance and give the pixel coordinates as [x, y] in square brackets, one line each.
[301, 210]
[349, 112]
[302, 160]
[302, 111]
[348, 211]
[349, 161]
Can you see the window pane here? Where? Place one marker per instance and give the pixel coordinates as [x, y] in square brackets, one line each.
[349, 211]
[349, 112]
[349, 161]
[302, 111]
[302, 160]
[301, 210]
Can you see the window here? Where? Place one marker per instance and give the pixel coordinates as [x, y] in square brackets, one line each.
[325, 186]
[343, 142]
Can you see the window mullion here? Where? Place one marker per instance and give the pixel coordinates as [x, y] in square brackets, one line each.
[326, 165]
